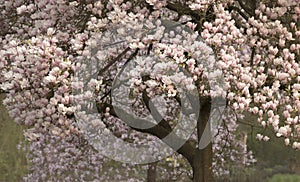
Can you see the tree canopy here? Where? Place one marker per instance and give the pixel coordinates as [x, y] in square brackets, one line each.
[138, 80]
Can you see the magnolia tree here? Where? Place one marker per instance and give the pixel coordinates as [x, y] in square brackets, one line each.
[139, 81]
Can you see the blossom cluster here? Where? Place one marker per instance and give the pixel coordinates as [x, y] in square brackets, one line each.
[260, 58]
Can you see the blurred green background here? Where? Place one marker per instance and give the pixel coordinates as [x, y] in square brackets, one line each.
[12, 161]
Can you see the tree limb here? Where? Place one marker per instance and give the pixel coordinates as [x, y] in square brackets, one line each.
[187, 149]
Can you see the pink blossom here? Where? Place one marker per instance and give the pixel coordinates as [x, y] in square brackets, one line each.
[282, 76]
[259, 137]
[287, 141]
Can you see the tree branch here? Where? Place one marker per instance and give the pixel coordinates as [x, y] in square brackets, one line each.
[230, 8]
[183, 10]
[187, 149]
[249, 10]
[113, 62]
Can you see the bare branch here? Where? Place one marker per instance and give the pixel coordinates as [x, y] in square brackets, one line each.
[113, 61]
[230, 8]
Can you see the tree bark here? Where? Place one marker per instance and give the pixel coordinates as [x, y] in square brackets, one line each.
[207, 163]
[151, 172]
[202, 161]
[197, 166]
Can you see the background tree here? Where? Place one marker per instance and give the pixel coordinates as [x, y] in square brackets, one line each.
[255, 44]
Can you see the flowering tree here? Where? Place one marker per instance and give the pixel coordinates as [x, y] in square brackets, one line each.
[60, 59]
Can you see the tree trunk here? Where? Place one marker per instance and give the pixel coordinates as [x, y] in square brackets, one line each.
[202, 165]
[202, 161]
[197, 166]
[151, 172]
[207, 163]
